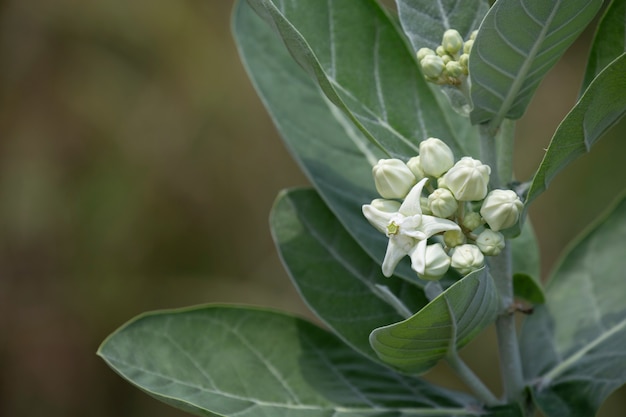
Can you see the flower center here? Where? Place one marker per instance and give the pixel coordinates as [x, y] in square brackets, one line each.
[392, 228]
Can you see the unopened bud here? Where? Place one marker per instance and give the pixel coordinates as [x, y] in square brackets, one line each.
[452, 41]
[435, 157]
[454, 69]
[453, 238]
[423, 52]
[468, 179]
[501, 209]
[388, 206]
[416, 167]
[442, 203]
[436, 263]
[467, 258]
[472, 221]
[393, 178]
[473, 34]
[490, 243]
[440, 51]
[432, 66]
[464, 61]
[467, 46]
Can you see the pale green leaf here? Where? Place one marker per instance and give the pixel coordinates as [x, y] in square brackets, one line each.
[609, 41]
[573, 345]
[448, 322]
[526, 266]
[599, 108]
[518, 42]
[362, 63]
[424, 21]
[337, 280]
[235, 361]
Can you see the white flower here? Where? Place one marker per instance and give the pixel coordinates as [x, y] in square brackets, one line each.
[408, 230]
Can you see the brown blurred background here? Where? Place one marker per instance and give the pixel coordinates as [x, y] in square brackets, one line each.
[137, 171]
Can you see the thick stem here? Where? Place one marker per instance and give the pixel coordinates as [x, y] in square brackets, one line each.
[471, 380]
[489, 155]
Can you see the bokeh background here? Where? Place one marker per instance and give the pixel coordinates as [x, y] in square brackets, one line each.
[137, 171]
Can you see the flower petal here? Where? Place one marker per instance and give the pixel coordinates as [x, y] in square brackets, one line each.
[399, 246]
[411, 205]
[418, 257]
[432, 225]
[377, 218]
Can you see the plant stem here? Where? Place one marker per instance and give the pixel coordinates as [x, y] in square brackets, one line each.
[489, 156]
[471, 380]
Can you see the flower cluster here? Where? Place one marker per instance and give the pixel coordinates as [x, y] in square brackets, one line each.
[439, 212]
[448, 64]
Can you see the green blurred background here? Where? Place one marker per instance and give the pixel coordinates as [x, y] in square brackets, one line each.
[137, 171]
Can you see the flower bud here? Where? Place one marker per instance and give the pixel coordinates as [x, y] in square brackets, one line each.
[472, 221]
[388, 206]
[453, 238]
[467, 258]
[442, 203]
[416, 167]
[393, 178]
[473, 34]
[490, 243]
[423, 52]
[468, 179]
[464, 61]
[501, 209]
[432, 66]
[440, 51]
[467, 46]
[452, 41]
[436, 264]
[454, 69]
[424, 206]
[435, 157]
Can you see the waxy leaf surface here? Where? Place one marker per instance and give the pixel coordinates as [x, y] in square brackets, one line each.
[573, 345]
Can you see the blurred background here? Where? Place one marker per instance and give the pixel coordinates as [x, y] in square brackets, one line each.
[137, 171]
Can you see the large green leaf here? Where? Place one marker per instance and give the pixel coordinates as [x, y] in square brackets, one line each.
[573, 346]
[600, 107]
[518, 42]
[448, 322]
[424, 21]
[234, 361]
[609, 41]
[363, 65]
[338, 281]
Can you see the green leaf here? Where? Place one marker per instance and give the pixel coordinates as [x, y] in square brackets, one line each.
[361, 62]
[526, 266]
[599, 108]
[448, 322]
[424, 21]
[518, 42]
[227, 361]
[609, 41]
[573, 346]
[528, 288]
[337, 280]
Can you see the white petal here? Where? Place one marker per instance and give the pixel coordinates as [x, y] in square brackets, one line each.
[411, 205]
[418, 257]
[377, 218]
[399, 246]
[432, 225]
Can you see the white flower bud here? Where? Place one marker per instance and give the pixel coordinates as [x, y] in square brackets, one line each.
[442, 203]
[453, 238]
[452, 41]
[440, 51]
[467, 46]
[464, 61]
[388, 206]
[432, 66]
[437, 262]
[435, 157]
[501, 209]
[393, 178]
[454, 69]
[415, 166]
[472, 221]
[467, 258]
[490, 243]
[423, 52]
[424, 206]
[468, 179]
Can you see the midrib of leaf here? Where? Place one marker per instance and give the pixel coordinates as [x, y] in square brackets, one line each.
[512, 93]
[578, 355]
[443, 14]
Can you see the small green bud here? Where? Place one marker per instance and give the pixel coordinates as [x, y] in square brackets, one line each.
[435, 157]
[473, 34]
[468, 179]
[424, 206]
[501, 209]
[446, 58]
[467, 46]
[452, 41]
[442, 203]
[454, 69]
[467, 258]
[472, 221]
[464, 61]
[416, 167]
[490, 243]
[393, 179]
[432, 66]
[441, 51]
[453, 238]
[423, 52]
[436, 262]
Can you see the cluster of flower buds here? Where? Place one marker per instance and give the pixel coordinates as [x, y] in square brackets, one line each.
[448, 64]
[439, 212]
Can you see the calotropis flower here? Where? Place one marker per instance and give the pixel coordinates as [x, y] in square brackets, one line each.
[408, 230]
